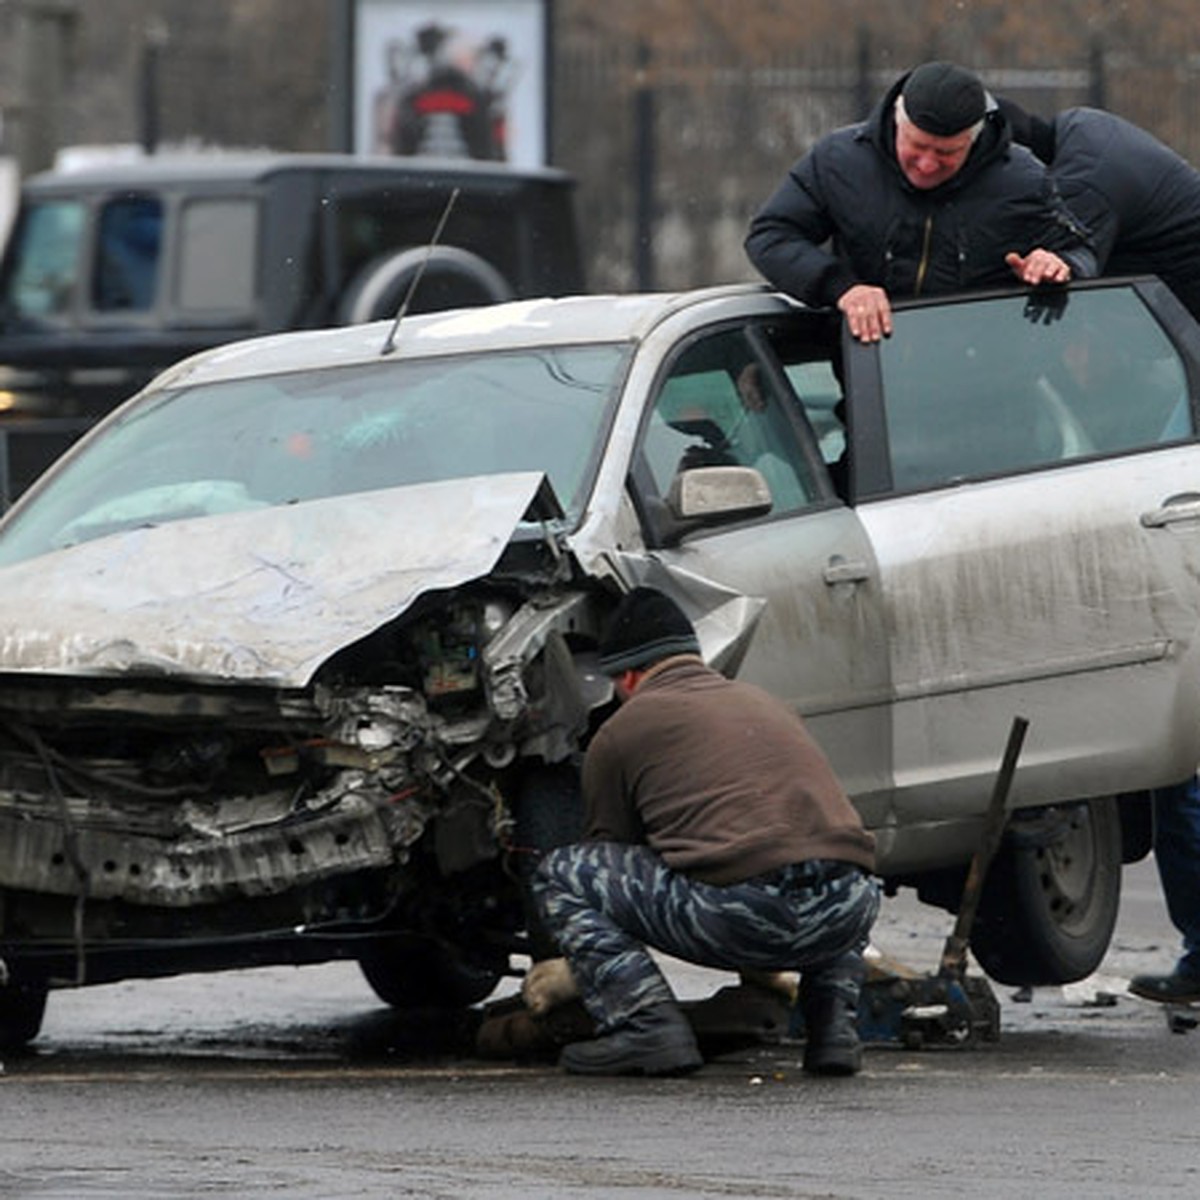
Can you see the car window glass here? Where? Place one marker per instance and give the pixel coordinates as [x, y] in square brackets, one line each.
[46, 260]
[808, 353]
[218, 255]
[817, 386]
[718, 408]
[128, 245]
[288, 438]
[988, 387]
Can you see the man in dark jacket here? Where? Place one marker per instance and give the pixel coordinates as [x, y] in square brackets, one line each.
[926, 196]
[1142, 203]
[715, 832]
[1139, 198]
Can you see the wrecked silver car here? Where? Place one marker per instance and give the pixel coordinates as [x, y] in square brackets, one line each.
[296, 647]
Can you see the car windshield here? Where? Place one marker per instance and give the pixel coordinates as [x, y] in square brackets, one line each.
[44, 261]
[282, 439]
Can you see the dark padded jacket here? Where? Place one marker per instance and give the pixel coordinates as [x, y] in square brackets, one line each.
[846, 214]
[1140, 199]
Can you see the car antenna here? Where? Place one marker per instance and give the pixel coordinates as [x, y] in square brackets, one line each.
[390, 343]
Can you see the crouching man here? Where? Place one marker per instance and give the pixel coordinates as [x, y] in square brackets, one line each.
[715, 832]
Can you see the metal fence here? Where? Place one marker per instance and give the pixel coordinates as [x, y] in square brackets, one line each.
[674, 152]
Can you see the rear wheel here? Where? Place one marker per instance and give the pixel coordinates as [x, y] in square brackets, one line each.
[22, 1007]
[1050, 900]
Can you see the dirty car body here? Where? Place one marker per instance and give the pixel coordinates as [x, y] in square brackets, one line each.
[297, 657]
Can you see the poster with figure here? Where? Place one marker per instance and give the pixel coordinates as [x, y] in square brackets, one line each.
[452, 79]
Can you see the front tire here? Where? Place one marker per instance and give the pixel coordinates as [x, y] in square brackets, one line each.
[1050, 900]
[22, 1008]
[549, 814]
[426, 974]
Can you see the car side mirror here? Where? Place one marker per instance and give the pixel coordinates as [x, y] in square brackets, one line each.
[706, 496]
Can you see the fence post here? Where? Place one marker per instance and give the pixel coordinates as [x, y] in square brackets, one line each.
[1097, 75]
[864, 93]
[645, 166]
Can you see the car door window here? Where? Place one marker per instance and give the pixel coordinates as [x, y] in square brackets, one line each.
[817, 386]
[719, 407]
[998, 386]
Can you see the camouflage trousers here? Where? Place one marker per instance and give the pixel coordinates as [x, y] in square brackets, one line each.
[606, 903]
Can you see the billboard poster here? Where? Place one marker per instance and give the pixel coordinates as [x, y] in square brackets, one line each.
[451, 78]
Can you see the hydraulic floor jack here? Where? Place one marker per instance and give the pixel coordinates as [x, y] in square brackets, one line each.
[948, 1007]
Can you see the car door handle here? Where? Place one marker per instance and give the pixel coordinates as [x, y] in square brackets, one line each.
[841, 570]
[1184, 507]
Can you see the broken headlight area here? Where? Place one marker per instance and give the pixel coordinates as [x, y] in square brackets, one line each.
[177, 810]
[435, 651]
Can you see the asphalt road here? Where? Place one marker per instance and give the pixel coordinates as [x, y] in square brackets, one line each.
[298, 1082]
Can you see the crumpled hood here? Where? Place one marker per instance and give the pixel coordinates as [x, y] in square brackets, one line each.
[262, 597]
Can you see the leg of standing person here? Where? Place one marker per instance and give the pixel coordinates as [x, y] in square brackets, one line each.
[1177, 852]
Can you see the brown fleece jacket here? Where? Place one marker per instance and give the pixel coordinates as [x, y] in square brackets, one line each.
[720, 778]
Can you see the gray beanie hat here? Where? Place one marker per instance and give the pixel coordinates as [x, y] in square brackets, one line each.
[942, 99]
[646, 627]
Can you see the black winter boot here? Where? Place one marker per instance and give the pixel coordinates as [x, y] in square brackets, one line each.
[829, 1004]
[655, 1041]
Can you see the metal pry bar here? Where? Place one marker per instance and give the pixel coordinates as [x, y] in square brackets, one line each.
[954, 956]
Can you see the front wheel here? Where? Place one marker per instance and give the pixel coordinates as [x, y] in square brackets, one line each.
[1050, 899]
[427, 974]
[549, 814]
[22, 1008]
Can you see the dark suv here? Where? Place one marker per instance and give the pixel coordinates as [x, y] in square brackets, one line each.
[114, 273]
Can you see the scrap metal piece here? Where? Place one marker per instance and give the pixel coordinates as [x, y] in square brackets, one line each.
[1182, 1018]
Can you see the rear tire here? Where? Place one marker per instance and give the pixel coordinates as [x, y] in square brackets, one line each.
[1050, 899]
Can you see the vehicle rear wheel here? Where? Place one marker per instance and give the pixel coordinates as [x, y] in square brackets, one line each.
[1050, 899]
[22, 1007]
[427, 975]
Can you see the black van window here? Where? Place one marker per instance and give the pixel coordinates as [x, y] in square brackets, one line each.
[128, 250]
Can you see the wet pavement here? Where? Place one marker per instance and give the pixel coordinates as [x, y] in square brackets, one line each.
[298, 1082]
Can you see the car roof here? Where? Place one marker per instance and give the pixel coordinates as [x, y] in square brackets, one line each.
[571, 320]
[256, 167]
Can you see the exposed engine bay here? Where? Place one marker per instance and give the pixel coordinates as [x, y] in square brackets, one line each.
[138, 810]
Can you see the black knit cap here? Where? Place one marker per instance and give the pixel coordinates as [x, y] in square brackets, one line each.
[646, 627]
[942, 99]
